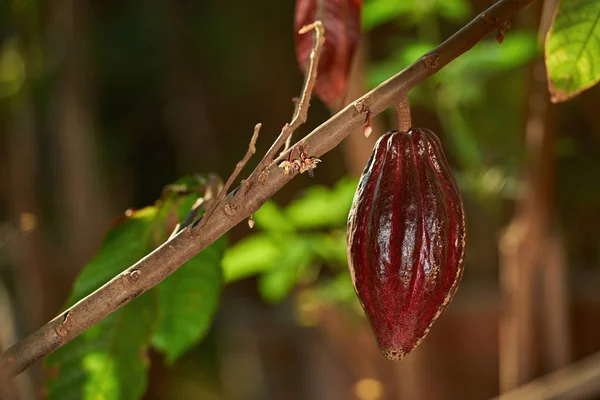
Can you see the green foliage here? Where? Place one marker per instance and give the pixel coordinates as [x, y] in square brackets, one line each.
[379, 12]
[250, 256]
[321, 207]
[188, 301]
[460, 97]
[276, 283]
[292, 243]
[108, 361]
[12, 69]
[573, 48]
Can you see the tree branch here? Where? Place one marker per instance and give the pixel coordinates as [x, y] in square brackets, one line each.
[166, 259]
[580, 380]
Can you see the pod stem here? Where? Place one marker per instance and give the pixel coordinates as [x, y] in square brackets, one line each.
[404, 119]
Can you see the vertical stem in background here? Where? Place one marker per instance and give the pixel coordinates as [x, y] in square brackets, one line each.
[556, 304]
[186, 114]
[28, 252]
[525, 240]
[22, 386]
[555, 282]
[85, 206]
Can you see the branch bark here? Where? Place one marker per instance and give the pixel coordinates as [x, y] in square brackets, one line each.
[240, 204]
[580, 380]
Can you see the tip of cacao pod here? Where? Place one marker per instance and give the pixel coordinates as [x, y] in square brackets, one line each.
[393, 354]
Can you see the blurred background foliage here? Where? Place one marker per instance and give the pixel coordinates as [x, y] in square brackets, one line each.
[103, 103]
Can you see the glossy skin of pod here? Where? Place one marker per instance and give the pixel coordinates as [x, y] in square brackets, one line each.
[406, 238]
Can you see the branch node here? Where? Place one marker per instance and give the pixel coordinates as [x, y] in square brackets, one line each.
[489, 18]
[262, 179]
[133, 276]
[229, 210]
[63, 328]
[362, 105]
[432, 60]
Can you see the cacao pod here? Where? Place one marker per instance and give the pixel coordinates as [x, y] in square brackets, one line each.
[406, 238]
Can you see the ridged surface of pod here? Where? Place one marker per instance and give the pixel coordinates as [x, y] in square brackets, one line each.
[406, 238]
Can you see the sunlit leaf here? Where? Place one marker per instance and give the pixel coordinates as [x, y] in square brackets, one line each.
[488, 57]
[379, 12]
[188, 298]
[108, 361]
[573, 49]
[454, 10]
[271, 218]
[250, 256]
[410, 12]
[341, 19]
[330, 247]
[322, 207]
[275, 284]
[406, 54]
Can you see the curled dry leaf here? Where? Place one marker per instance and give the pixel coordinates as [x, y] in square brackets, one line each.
[341, 19]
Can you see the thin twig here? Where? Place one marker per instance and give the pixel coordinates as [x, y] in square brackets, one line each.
[301, 109]
[167, 258]
[238, 168]
[303, 103]
[241, 164]
[213, 185]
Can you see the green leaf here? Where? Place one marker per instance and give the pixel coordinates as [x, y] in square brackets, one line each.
[454, 10]
[122, 246]
[398, 60]
[270, 218]
[331, 247]
[379, 12]
[188, 300]
[321, 207]
[108, 360]
[573, 49]
[250, 256]
[275, 284]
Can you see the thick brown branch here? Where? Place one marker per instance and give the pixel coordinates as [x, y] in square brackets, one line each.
[166, 259]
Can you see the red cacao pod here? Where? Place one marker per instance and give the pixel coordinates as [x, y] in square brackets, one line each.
[406, 238]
